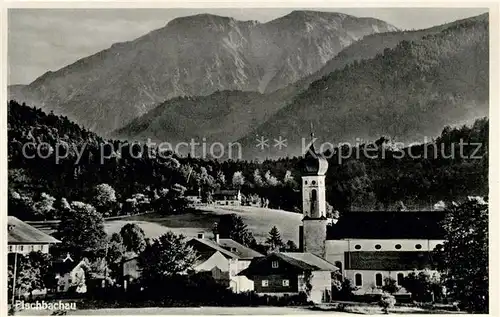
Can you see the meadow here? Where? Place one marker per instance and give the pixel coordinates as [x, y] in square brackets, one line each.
[203, 218]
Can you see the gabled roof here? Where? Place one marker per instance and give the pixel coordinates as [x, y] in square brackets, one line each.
[313, 260]
[20, 232]
[296, 262]
[211, 244]
[243, 252]
[388, 225]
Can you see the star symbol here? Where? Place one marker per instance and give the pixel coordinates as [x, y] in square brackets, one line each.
[262, 142]
[280, 143]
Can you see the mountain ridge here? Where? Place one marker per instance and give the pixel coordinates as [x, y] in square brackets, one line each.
[108, 89]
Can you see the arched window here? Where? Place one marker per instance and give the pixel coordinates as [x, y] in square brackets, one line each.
[305, 182]
[314, 195]
[401, 277]
[358, 279]
[378, 279]
[339, 265]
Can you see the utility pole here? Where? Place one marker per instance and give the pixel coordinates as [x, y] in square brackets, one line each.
[14, 282]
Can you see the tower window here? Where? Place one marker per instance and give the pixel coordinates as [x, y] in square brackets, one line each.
[401, 277]
[358, 279]
[305, 182]
[378, 279]
[313, 182]
[418, 246]
[357, 247]
[398, 246]
[314, 194]
[378, 246]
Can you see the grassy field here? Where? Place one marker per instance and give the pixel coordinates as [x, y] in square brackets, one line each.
[258, 220]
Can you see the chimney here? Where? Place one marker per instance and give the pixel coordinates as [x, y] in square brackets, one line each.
[201, 235]
[216, 236]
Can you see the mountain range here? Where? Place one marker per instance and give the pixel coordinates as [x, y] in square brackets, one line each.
[193, 56]
[383, 84]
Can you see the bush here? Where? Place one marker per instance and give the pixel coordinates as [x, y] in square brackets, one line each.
[387, 301]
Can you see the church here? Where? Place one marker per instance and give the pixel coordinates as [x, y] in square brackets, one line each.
[369, 246]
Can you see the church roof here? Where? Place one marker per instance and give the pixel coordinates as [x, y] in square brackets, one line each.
[388, 225]
[389, 260]
[314, 163]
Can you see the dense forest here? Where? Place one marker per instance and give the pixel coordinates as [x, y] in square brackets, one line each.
[64, 162]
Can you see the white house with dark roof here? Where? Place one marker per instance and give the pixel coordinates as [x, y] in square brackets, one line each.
[227, 197]
[224, 258]
[24, 238]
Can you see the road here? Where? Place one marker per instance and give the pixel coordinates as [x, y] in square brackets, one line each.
[189, 311]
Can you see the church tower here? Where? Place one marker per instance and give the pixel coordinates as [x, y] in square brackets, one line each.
[314, 224]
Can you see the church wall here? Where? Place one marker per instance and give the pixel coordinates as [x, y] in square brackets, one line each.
[369, 281]
[335, 248]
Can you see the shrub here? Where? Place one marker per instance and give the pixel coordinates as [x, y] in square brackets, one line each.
[387, 301]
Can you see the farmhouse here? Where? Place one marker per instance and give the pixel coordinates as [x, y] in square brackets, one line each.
[281, 274]
[224, 258]
[23, 238]
[366, 246]
[231, 197]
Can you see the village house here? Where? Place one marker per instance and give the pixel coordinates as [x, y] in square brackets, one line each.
[227, 197]
[224, 258]
[23, 238]
[366, 246]
[292, 273]
[70, 275]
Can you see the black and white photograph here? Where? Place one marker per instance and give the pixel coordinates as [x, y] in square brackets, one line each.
[240, 160]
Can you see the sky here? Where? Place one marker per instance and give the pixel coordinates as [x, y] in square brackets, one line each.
[40, 40]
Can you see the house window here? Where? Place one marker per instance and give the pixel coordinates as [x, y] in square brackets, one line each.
[32, 248]
[398, 246]
[339, 265]
[401, 277]
[358, 279]
[378, 279]
[378, 246]
[274, 264]
[21, 248]
[418, 246]
[11, 248]
[265, 283]
[286, 283]
[357, 247]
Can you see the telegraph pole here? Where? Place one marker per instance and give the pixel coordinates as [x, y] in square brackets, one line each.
[14, 282]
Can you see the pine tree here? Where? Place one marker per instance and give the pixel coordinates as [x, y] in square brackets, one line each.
[274, 240]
